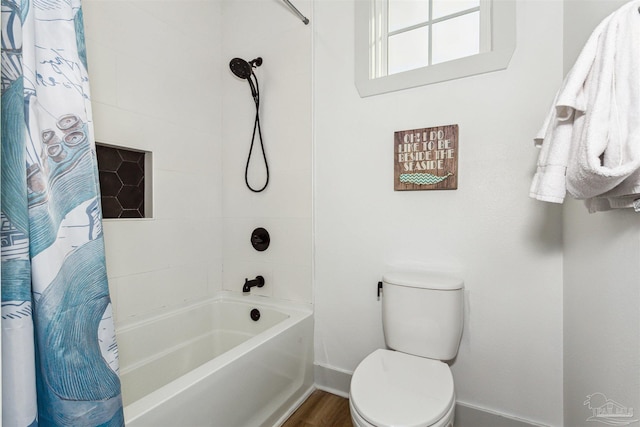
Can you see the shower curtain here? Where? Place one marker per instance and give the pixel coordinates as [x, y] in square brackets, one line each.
[59, 355]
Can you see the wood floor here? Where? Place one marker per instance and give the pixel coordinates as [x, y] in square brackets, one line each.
[321, 409]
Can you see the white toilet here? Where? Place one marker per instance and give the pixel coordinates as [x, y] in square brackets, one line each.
[409, 385]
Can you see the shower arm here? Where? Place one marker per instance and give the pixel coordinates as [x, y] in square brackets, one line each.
[297, 12]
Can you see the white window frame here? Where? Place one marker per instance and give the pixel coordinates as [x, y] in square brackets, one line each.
[498, 36]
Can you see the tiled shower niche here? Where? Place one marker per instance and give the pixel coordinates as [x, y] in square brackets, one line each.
[124, 182]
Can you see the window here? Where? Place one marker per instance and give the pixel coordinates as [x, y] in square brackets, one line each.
[408, 43]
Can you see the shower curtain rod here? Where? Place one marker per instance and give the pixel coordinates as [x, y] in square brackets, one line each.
[297, 12]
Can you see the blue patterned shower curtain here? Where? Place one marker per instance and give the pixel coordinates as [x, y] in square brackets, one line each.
[59, 355]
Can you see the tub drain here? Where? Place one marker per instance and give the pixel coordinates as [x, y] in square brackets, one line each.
[255, 314]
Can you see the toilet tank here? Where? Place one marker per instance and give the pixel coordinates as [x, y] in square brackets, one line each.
[422, 313]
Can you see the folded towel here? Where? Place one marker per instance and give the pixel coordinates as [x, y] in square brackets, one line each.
[590, 141]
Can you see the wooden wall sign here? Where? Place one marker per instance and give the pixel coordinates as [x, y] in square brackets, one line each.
[426, 159]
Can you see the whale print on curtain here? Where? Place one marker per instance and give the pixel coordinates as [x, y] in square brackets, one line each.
[59, 355]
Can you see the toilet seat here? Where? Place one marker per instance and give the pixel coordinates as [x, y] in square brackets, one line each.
[358, 421]
[391, 388]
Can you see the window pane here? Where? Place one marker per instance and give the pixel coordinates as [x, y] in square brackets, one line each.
[447, 7]
[405, 13]
[456, 38]
[409, 50]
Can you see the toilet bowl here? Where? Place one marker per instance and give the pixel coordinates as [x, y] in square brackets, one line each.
[391, 388]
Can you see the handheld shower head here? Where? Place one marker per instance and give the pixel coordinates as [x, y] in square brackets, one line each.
[242, 68]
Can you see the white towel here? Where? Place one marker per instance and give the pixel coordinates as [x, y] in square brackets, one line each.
[555, 136]
[590, 141]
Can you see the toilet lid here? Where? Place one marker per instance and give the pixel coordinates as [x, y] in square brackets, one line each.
[390, 388]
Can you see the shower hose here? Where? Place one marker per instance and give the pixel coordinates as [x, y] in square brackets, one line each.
[255, 92]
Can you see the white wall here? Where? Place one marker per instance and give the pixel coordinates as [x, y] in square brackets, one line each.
[601, 316]
[269, 30]
[507, 247]
[155, 66]
[601, 270]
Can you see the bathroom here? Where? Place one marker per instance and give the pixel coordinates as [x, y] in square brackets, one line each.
[551, 291]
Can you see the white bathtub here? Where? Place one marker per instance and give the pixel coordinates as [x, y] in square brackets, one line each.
[210, 364]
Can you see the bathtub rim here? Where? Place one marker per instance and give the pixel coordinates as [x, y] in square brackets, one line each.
[267, 301]
[297, 312]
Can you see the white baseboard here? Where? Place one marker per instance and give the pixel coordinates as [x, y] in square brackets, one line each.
[332, 379]
[470, 416]
[337, 381]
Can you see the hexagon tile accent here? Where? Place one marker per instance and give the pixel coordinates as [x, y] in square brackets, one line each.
[121, 173]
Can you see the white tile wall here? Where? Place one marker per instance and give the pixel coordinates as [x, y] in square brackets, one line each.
[287, 262]
[269, 30]
[155, 70]
[160, 82]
